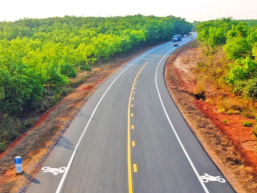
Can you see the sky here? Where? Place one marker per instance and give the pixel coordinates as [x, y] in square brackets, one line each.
[191, 10]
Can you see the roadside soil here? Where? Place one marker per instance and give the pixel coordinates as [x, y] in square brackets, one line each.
[230, 144]
[35, 145]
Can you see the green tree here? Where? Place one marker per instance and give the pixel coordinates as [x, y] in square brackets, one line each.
[68, 70]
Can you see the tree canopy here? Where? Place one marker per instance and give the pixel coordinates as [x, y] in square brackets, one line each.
[38, 55]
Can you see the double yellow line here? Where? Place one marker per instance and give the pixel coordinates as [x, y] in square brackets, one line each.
[130, 180]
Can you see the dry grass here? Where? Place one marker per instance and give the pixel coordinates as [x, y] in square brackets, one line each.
[233, 104]
[211, 74]
[199, 90]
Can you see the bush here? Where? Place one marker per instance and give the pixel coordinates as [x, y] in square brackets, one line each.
[199, 91]
[66, 90]
[225, 122]
[247, 124]
[251, 89]
[2, 146]
[255, 130]
[28, 123]
[68, 70]
[86, 67]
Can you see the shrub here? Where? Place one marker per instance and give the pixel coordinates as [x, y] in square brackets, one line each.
[232, 111]
[2, 146]
[247, 124]
[199, 91]
[65, 91]
[68, 70]
[220, 109]
[225, 121]
[249, 112]
[255, 130]
[86, 67]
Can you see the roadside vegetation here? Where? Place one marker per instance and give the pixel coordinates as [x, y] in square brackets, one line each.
[229, 66]
[226, 137]
[39, 58]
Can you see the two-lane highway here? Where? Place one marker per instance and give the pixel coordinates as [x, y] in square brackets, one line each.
[130, 137]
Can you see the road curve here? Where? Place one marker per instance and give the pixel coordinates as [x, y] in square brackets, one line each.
[129, 137]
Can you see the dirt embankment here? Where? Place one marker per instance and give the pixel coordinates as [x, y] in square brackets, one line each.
[226, 140]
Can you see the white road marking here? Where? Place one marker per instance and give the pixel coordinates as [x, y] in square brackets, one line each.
[208, 178]
[54, 171]
[84, 131]
[181, 144]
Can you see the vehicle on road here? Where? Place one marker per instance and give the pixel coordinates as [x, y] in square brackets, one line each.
[176, 44]
[177, 38]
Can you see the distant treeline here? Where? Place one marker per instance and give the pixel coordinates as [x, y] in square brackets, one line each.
[38, 56]
[238, 39]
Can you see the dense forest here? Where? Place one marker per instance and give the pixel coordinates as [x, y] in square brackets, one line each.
[40, 56]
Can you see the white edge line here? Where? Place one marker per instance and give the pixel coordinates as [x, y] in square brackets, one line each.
[84, 131]
[181, 144]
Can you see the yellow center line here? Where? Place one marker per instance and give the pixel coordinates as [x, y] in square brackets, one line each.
[130, 181]
[135, 168]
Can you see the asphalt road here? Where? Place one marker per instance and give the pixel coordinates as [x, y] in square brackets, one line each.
[129, 137]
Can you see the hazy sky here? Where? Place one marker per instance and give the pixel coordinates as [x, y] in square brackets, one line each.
[199, 10]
